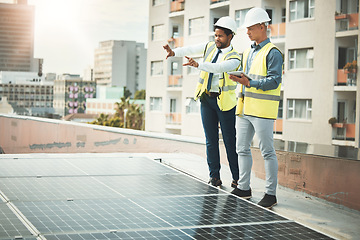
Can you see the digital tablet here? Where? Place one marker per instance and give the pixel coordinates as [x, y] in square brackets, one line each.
[238, 73]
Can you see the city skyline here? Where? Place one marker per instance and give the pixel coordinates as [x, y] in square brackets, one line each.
[67, 32]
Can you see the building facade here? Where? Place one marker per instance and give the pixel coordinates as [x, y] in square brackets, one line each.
[27, 93]
[17, 38]
[320, 106]
[121, 64]
[71, 93]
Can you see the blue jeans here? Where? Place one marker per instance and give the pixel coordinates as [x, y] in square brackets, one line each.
[246, 127]
[211, 115]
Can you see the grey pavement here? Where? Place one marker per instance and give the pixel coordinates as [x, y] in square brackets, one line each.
[332, 219]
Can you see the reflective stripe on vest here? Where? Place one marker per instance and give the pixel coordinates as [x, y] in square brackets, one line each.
[257, 102]
[208, 50]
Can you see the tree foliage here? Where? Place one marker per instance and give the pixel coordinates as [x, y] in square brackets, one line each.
[127, 93]
[134, 116]
[140, 94]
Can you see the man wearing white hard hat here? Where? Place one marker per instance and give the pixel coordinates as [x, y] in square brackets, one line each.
[217, 94]
[258, 105]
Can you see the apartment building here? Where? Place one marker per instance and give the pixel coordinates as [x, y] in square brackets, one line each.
[71, 93]
[121, 64]
[320, 106]
[27, 93]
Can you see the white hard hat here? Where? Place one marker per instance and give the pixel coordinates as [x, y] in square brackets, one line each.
[226, 22]
[254, 16]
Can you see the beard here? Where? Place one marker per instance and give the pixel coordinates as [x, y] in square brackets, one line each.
[221, 45]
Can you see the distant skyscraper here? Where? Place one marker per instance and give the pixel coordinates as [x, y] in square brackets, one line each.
[17, 37]
[121, 64]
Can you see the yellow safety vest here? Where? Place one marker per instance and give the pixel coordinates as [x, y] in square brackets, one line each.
[227, 98]
[256, 102]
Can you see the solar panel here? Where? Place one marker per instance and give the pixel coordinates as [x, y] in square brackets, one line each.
[10, 225]
[102, 187]
[19, 167]
[84, 196]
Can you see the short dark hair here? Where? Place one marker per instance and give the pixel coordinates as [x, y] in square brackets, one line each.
[226, 30]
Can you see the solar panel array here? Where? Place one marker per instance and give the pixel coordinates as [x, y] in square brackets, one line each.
[102, 196]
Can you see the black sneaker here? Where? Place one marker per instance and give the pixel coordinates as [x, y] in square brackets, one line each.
[234, 184]
[268, 201]
[215, 182]
[246, 194]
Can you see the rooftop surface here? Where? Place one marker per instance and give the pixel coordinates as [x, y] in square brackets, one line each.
[149, 196]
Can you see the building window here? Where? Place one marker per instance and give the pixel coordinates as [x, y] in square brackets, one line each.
[283, 15]
[299, 109]
[192, 106]
[196, 25]
[280, 112]
[301, 9]
[240, 16]
[156, 68]
[157, 2]
[157, 32]
[298, 147]
[301, 58]
[155, 103]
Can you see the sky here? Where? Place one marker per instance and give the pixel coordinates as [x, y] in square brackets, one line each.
[67, 32]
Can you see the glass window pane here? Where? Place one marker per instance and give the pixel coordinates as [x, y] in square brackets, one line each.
[240, 17]
[157, 32]
[300, 9]
[291, 53]
[290, 113]
[311, 63]
[156, 68]
[196, 25]
[300, 109]
[292, 16]
[301, 59]
[292, 64]
[291, 103]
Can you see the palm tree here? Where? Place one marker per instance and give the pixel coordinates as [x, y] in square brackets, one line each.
[134, 114]
[101, 120]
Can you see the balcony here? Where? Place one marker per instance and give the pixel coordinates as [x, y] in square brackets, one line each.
[344, 131]
[346, 78]
[177, 5]
[173, 118]
[278, 126]
[347, 22]
[276, 30]
[175, 81]
[176, 42]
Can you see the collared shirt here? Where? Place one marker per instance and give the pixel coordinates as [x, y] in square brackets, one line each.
[217, 68]
[274, 62]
